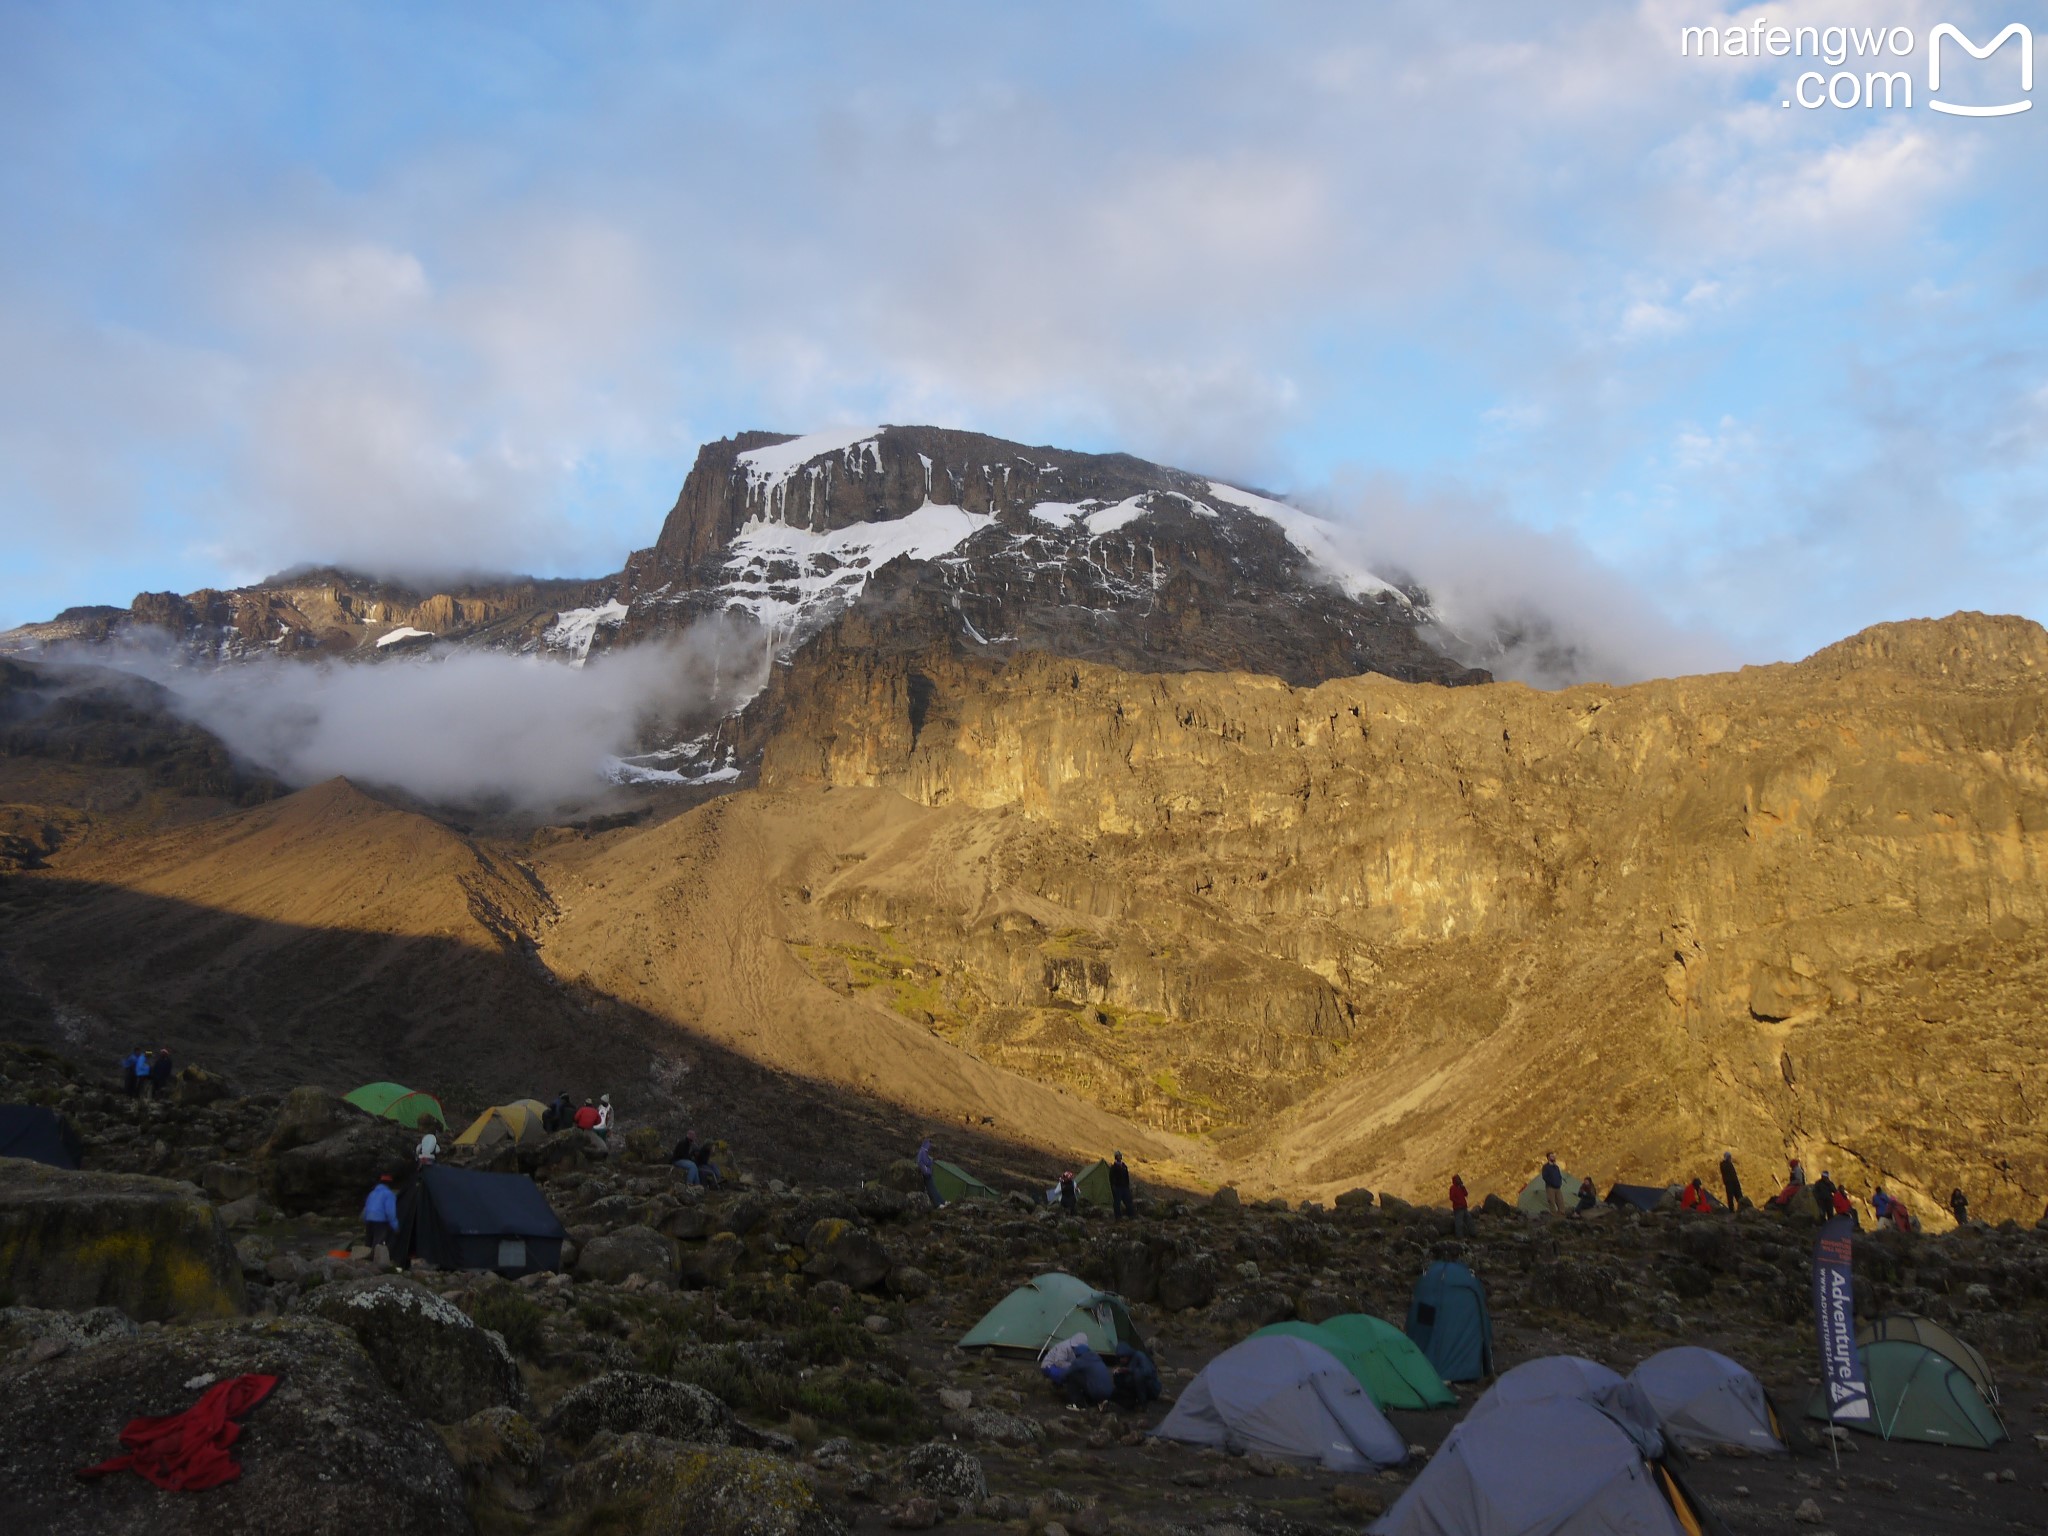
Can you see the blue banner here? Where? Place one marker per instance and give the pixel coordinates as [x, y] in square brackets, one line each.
[1834, 1314]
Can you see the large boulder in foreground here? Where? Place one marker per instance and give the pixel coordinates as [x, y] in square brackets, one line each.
[426, 1348]
[152, 1247]
[330, 1449]
[667, 1489]
[626, 1402]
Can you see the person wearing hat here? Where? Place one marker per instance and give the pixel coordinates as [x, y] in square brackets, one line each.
[1070, 1194]
[925, 1167]
[1120, 1188]
[380, 1219]
[1731, 1181]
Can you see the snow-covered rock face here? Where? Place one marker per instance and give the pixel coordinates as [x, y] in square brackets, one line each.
[575, 629]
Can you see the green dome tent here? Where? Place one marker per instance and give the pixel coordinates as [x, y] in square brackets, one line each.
[1050, 1308]
[956, 1183]
[1533, 1202]
[1916, 1393]
[1382, 1357]
[390, 1101]
[1920, 1330]
[1092, 1184]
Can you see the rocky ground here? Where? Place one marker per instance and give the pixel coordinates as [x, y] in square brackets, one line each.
[777, 1357]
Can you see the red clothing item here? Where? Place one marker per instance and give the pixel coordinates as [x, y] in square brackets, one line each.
[586, 1118]
[189, 1451]
[1689, 1199]
[1458, 1196]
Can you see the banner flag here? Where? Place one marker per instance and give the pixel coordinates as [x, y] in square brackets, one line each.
[1834, 1314]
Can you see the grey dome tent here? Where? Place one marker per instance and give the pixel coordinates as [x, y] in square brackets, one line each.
[40, 1135]
[1448, 1320]
[457, 1218]
[1289, 1399]
[1554, 1377]
[1540, 1469]
[1705, 1402]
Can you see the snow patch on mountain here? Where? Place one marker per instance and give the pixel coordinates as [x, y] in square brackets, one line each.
[575, 629]
[1314, 537]
[770, 470]
[792, 579]
[403, 632]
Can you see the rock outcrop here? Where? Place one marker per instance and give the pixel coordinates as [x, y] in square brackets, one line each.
[75, 1240]
[425, 1348]
[330, 1449]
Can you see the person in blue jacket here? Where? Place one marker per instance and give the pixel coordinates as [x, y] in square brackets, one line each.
[134, 1069]
[380, 1216]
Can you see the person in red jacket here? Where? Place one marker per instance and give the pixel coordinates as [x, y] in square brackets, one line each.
[1691, 1199]
[1461, 1216]
[586, 1117]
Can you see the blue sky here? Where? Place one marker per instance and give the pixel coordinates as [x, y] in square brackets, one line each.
[1528, 296]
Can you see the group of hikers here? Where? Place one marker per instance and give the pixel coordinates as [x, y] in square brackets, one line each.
[147, 1072]
[1127, 1378]
[565, 1114]
[1829, 1198]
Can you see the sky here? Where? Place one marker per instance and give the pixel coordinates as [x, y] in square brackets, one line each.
[1516, 285]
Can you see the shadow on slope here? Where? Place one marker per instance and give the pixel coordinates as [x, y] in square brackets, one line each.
[91, 969]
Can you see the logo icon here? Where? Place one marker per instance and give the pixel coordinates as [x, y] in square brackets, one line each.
[1946, 30]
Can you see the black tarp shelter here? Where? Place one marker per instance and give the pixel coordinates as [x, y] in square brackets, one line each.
[456, 1218]
[40, 1135]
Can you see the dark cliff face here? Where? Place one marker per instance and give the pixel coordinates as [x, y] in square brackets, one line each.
[922, 537]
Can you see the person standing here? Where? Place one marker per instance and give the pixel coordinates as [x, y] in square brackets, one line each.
[1731, 1181]
[1960, 1205]
[160, 1074]
[1553, 1184]
[380, 1220]
[1461, 1203]
[1824, 1195]
[1796, 1177]
[925, 1172]
[134, 1072]
[604, 1116]
[1120, 1188]
[1070, 1194]
[428, 1149]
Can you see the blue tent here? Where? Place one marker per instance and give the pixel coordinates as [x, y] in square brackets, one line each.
[1290, 1399]
[1448, 1320]
[1573, 1376]
[459, 1218]
[1537, 1469]
[40, 1135]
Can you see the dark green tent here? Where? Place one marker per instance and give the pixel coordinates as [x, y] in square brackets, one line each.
[1383, 1359]
[1918, 1394]
[392, 1101]
[956, 1183]
[1092, 1184]
[1921, 1330]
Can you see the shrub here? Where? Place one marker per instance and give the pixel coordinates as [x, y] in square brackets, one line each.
[516, 1317]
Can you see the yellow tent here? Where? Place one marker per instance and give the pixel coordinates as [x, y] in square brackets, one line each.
[517, 1121]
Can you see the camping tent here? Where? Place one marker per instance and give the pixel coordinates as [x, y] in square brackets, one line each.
[1534, 1469]
[1092, 1184]
[1645, 1197]
[1290, 1399]
[389, 1101]
[1448, 1320]
[1705, 1401]
[519, 1121]
[1920, 1330]
[1382, 1357]
[1554, 1377]
[457, 1218]
[1053, 1307]
[40, 1135]
[1533, 1201]
[956, 1183]
[1917, 1393]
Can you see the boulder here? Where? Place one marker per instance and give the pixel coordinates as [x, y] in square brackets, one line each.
[501, 1456]
[1134, 1271]
[1188, 1281]
[308, 1115]
[1355, 1200]
[688, 1222]
[701, 1266]
[909, 1282]
[228, 1182]
[614, 1256]
[991, 1426]
[667, 1489]
[1493, 1205]
[1225, 1198]
[330, 1449]
[152, 1247]
[945, 1472]
[1255, 1308]
[628, 1402]
[1394, 1205]
[337, 1172]
[851, 1255]
[44, 1335]
[1321, 1306]
[195, 1087]
[426, 1348]
[878, 1202]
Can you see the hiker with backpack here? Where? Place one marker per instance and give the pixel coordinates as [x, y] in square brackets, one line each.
[380, 1220]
